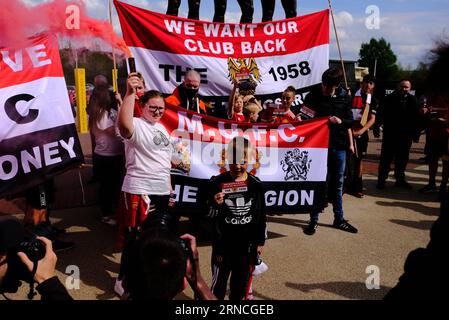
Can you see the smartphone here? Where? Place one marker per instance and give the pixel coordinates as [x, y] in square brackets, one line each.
[132, 65]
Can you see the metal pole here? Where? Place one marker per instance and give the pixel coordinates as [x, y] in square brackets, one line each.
[76, 58]
[375, 67]
[338, 44]
[114, 69]
[110, 21]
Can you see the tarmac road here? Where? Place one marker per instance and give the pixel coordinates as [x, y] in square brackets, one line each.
[331, 264]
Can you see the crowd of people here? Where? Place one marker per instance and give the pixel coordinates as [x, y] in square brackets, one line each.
[129, 140]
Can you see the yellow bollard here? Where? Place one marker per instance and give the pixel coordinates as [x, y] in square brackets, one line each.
[114, 79]
[80, 83]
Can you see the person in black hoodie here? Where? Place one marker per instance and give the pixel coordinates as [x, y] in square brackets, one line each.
[237, 206]
[330, 100]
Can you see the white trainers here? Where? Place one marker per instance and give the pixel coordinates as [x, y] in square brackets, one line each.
[260, 268]
[118, 288]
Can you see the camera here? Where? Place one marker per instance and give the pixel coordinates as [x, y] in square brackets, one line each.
[17, 270]
[185, 245]
[162, 220]
[158, 219]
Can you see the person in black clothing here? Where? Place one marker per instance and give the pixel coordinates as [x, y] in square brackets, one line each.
[239, 223]
[268, 9]
[425, 269]
[399, 114]
[39, 200]
[194, 8]
[49, 286]
[246, 6]
[364, 108]
[329, 100]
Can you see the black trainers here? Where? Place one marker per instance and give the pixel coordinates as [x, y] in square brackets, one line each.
[404, 185]
[311, 228]
[345, 226]
[61, 246]
[429, 188]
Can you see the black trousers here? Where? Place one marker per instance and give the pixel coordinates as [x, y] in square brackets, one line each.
[246, 6]
[237, 262]
[268, 9]
[395, 149]
[194, 8]
[110, 172]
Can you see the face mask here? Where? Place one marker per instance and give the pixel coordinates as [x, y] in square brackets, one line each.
[140, 94]
[191, 92]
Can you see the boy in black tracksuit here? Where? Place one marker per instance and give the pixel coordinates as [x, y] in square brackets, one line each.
[239, 223]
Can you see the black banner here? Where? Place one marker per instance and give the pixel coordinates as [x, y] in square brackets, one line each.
[31, 159]
[280, 197]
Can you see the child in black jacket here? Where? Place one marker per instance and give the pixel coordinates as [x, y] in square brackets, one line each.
[237, 206]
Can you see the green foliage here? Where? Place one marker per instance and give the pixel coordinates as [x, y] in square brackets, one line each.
[380, 50]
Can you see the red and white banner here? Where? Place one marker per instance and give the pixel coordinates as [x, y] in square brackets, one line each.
[290, 159]
[273, 54]
[38, 137]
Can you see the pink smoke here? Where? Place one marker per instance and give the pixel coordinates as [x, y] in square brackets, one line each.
[18, 22]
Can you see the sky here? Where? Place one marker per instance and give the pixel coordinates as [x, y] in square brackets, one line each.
[410, 26]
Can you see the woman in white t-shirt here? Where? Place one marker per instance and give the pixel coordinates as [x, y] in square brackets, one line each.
[148, 151]
[108, 151]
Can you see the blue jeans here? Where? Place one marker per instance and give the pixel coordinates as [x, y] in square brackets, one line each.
[336, 163]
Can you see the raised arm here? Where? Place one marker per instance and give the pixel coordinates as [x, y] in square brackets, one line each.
[125, 116]
[231, 100]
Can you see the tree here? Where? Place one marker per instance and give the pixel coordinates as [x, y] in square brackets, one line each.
[378, 56]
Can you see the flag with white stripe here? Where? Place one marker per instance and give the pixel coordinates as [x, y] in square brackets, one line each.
[273, 55]
[38, 137]
[290, 159]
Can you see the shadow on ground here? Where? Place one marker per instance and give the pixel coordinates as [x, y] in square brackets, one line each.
[391, 192]
[417, 207]
[93, 253]
[347, 290]
[421, 225]
[300, 224]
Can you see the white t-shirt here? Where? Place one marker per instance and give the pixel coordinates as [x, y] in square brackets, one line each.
[148, 159]
[107, 144]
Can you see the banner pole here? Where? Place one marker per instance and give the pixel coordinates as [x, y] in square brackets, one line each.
[338, 44]
[114, 70]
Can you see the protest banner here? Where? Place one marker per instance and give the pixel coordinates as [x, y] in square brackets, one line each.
[38, 137]
[273, 55]
[290, 159]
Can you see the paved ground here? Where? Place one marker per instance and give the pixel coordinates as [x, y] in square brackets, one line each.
[329, 265]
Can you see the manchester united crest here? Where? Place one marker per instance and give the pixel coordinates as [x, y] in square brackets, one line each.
[296, 165]
[247, 72]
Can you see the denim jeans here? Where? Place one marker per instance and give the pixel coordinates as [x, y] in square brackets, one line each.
[336, 163]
